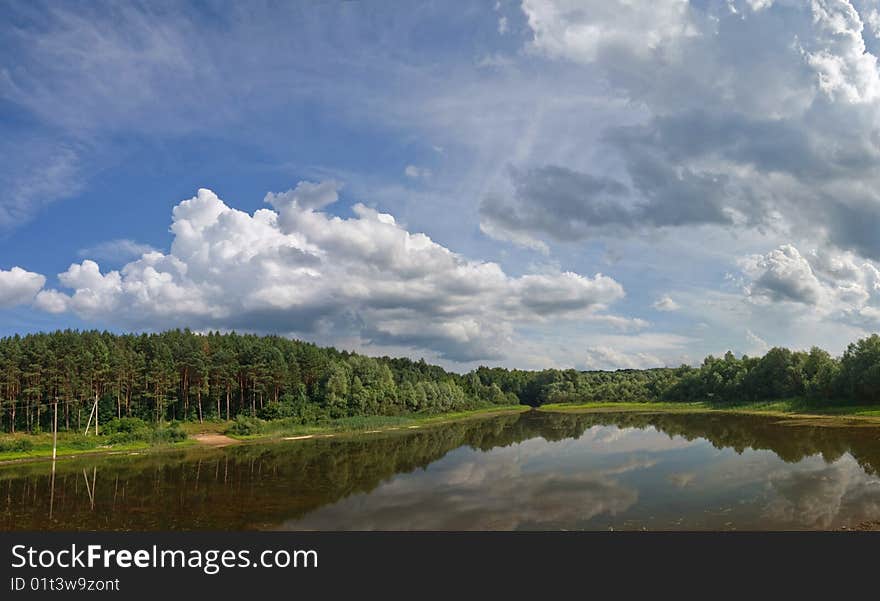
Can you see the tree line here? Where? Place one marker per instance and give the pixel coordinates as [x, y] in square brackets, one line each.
[182, 375]
[779, 374]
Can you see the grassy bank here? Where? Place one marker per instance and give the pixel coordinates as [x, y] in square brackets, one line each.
[799, 408]
[39, 446]
[245, 428]
[15, 447]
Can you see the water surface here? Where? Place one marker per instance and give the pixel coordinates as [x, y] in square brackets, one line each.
[536, 470]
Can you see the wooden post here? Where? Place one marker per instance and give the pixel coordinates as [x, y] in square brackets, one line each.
[96, 414]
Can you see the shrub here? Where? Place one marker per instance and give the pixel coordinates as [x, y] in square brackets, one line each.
[273, 410]
[127, 429]
[244, 426]
[169, 433]
[17, 445]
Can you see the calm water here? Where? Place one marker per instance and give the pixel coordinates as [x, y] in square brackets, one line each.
[530, 471]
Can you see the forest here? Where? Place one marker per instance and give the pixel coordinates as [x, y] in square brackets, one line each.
[179, 375]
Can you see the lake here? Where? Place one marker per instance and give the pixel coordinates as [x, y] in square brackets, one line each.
[536, 470]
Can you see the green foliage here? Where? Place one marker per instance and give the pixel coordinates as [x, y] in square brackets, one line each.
[168, 433]
[274, 410]
[16, 445]
[180, 375]
[143, 382]
[245, 426]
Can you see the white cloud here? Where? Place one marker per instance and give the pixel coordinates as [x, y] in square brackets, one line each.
[759, 346]
[827, 282]
[638, 351]
[36, 173]
[18, 287]
[665, 303]
[51, 301]
[298, 269]
[841, 61]
[780, 138]
[782, 275]
[872, 20]
[414, 172]
[579, 30]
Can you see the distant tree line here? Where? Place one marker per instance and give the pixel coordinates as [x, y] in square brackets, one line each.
[779, 374]
[181, 375]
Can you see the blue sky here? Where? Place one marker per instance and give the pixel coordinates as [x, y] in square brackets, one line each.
[531, 184]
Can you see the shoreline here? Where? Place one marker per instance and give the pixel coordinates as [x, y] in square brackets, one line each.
[856, 415]
[211, 435]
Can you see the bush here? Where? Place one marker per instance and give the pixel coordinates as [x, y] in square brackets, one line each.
[273, 410]
[133, 429]
[169, 433]
[17, 445]
[245, 426]
[127, 429]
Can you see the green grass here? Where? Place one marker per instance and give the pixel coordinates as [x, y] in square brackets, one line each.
[789, 407]
[27, 446]
[353, 425]
[73, 444]
[35, 446]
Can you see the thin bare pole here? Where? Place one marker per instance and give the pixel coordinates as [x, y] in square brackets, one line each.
[89, 423]
[54, 454]
[55, 435]
[52, 492]
[89, 489]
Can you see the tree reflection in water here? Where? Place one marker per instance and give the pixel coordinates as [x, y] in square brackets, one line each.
[287, 484]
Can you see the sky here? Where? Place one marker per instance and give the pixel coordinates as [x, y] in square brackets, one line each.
[584, 184]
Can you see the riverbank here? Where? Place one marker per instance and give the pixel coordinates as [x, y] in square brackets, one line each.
[38, 447]
[795, 409]
[35, 447]
[248, 430]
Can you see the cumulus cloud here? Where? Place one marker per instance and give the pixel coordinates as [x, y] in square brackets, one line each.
[782, 137]
[51, 301]
[783, 274]
[295, 268]
[665, 303]
[18, 287]
[843, 65]
[826, 281]
[582, 30]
